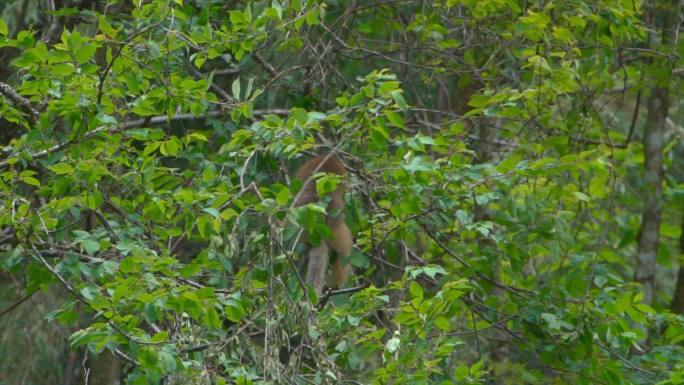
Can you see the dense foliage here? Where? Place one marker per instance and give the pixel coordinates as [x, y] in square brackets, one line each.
[515, 191]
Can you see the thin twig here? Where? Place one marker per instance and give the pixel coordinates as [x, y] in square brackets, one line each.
[16, 303]
[330, 293]
[635, 116]
[115, 56]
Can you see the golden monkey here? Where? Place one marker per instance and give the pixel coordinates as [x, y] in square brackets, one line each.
[341, 241]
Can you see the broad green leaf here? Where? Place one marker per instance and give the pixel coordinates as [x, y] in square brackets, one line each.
[62, 168]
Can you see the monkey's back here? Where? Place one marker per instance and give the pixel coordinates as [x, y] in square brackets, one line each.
[320, 163]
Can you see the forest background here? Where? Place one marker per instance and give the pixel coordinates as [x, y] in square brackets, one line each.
[515, 190]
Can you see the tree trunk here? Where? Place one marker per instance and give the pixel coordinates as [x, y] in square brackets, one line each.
[678, 298]
[499, 342]
[665, 14]
[649, 235]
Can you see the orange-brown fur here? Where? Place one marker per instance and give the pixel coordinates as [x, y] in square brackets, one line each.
[341, 241]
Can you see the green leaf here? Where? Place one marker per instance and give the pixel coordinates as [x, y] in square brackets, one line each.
[147, 358]
[237, 17]
[562, 34]
[37, 277]
[170, 147]
[392, 345]
[30, 180]
[283, 196]
[206, 226]
[212, 211]
[275, 4]
[234, 312]
[415, 290]
[160, 336]
[90, 246]
[106, 119]
[62, 168]
[582, 196]
[85, 53]
[312, 16]
[359, 259]
[3, 28]
[388, 86]
[211, 318]
[398, 97]
[228, 214]
[551, 320]
[327, 184]
[442, 323]
[479, 101]
[130, 265]
[395, 118]
[236, 88]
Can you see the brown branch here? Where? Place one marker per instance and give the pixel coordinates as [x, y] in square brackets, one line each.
[330, 293]
[234, 335]
[267, 66]
[511, 289]
[106, 224]
[6, 234]
[224, 94]
[290, 260]
[16, 303]
[581, 139]
[635, 116]
[21, 102]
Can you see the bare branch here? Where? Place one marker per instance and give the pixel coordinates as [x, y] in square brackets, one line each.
[16, 303]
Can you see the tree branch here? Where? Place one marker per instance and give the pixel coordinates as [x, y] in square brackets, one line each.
[21, 102]
[16, 303]
[135, 123]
